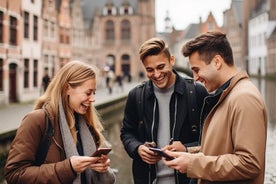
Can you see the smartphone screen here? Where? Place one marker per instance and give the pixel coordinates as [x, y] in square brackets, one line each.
[101, 151]
[161, 153]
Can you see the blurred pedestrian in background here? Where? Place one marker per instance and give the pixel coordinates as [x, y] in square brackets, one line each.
[45, 80]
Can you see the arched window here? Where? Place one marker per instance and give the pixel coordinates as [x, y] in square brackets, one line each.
[125, 30]
[109, 30]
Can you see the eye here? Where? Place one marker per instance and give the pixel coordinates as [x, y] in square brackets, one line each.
[196, 70]
[88, 93]
[160, 67]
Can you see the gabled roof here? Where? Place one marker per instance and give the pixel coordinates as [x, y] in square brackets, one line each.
[91, 7]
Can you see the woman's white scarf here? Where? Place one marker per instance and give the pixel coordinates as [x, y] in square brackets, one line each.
[88, 145]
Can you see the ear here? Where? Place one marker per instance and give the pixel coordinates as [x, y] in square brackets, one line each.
[172, 60]
[218, 61]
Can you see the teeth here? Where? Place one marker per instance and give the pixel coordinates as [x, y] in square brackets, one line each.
[85, 105]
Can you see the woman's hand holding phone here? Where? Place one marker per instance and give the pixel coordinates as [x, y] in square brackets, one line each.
[101, 151]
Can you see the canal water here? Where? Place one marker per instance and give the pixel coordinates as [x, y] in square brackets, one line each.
[268, 89]
[121, 162]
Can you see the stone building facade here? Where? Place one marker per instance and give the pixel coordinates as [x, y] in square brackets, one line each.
[42, 35]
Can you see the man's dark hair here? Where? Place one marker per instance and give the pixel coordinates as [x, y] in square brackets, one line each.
[208, 45]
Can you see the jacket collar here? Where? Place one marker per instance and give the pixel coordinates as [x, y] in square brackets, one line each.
[224, 90]
[238, 77]
[179, 86]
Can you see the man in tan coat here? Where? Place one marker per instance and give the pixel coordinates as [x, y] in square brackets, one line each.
[233, 139]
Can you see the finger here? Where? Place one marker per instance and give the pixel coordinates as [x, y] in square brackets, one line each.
[173, 153]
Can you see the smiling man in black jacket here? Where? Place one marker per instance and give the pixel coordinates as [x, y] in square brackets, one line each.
[168, 119]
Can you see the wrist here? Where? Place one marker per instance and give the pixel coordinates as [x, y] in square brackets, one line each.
[73, 170]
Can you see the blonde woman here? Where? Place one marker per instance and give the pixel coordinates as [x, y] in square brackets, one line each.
[68, 103]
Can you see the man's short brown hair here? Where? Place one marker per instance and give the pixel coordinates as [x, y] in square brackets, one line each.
[153, 46]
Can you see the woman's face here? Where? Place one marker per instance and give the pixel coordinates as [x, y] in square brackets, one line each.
[81, 97]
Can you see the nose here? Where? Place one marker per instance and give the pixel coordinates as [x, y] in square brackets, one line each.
[92, 98]
[156, 73]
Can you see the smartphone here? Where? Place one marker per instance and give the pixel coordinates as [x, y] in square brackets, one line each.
[101, 151]
[161, 153]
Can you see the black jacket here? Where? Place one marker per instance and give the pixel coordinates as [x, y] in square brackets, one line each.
[135, 132]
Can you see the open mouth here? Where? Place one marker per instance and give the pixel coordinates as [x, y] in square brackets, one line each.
[84, 107]
[159, 80]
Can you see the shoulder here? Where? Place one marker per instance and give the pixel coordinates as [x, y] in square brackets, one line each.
[34, 120]
[191, 84]
[246, 89]
[200, 87]
[137, 90]
[139, 86]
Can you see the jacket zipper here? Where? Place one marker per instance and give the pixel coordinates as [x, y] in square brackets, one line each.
[152, 126]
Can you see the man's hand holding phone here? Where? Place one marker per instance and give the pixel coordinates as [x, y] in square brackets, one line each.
[147, 155]
[161, 153]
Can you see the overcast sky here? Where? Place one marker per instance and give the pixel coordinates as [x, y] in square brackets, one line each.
[185, 12]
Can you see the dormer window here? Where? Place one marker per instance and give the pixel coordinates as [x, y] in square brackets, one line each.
[109, 9]
[126, 9]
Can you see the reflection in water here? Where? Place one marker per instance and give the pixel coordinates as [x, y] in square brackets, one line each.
[122, 162]
[268, 88]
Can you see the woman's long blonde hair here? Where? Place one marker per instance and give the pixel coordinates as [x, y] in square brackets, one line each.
[74, 74]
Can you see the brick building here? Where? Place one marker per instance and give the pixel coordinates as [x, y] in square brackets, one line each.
[43, 35]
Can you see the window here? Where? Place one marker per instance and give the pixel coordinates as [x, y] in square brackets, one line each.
[26, 73]
[1, 27]
[46, 59]
[53, 63]
[67, 36]
[46, 29]
[109, 11]
[109, 30]
[61, 35]
[125, 30]
[1, 74]
[126, 11]
[52, 29]
[26, 25]
[35, 73]
[13, 30]
[35, 27]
